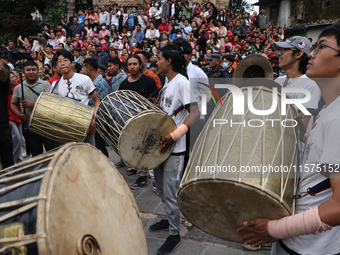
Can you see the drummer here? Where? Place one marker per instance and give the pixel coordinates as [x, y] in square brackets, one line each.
[145, 86]
[294, 59]
[315, 228]
[175, 99]
[76, 86]
[33, 86]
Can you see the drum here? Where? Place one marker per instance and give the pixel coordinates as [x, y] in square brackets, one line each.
[68, 201]
[228, 178]
[60, 118]
[134, 127]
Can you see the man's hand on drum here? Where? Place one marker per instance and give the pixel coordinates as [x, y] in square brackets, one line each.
[166, 143]
[92, 128]
[258, 232]
[27, 104]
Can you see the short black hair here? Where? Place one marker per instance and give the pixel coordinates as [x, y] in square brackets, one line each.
[93, 63]
[175, 53]
[48, 65]
[303, 62]
[332, 30]
[77, 67]
[4, 57]
[29, 63]
[115, 61]
[142, 53]
[49, 46]
[54, 61]
[184, 44]
[271, 48]
[65, 54]
[21, 47]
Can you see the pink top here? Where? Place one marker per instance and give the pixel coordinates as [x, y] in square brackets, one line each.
[89, 32]
[102, 33]
[224, 45]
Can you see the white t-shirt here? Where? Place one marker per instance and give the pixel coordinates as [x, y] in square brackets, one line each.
[81, 87]
[114, 19]
[196, 77]
[323, 147]
[176, 93]
[303, 82]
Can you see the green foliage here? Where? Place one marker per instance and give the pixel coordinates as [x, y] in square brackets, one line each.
[330, 12]
[240, 5]
[54, 12]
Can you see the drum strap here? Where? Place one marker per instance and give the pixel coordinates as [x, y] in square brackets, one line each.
[56, 84]
[38, 94]
[321, 186]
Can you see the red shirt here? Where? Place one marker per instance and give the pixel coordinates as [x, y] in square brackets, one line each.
[163, 27]
[12, 117]
[53, 79]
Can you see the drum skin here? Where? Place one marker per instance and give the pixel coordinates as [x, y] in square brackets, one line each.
[218, 202]
[60, 118]
[134, 128]
[82, 193]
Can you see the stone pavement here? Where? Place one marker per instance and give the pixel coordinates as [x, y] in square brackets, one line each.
[194, 241]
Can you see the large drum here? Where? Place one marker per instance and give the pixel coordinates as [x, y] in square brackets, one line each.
[226, 182]
[69, 201]
[60, 118]
[134, 127]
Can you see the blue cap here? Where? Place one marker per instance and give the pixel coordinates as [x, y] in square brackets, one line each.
[214, 56]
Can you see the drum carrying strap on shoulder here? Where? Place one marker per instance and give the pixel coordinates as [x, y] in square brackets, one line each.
[38, 94]
[321, 186]
[56, 84]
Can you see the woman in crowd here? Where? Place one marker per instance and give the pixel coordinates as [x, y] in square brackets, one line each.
[214, 43]
[88, 28]
[53, 41]
[103, 32]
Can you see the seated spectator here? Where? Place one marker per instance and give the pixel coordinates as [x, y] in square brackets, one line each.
[139, 35]
[152, 33]
[186, 29]
[226, 45]
[163, 27]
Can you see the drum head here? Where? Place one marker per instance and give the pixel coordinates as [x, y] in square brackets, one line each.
[219, 207]
[139, 143]
[88, 196]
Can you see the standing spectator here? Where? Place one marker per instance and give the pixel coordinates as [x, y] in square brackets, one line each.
[131, 21]
[77, 29]
[81, 17]
[186, 6]
[15, 124]
[262, 19]
[165, 10]
[174, 10]
[227, 64]
[11, 49]
[90, 68]
[6, 144]
[239, 30]
[155, 12]
[30, 69]
[143, 20]
[123, 18]
[216, 69]
[88, 28]
[92, 17]
[254, 19]
[201, 41]
[104, 17]
[117, 75]
[115, 14]
[102, 57]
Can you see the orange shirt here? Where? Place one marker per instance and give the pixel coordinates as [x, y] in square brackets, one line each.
[153, 76]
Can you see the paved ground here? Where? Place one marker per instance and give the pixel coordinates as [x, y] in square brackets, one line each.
[194, 241]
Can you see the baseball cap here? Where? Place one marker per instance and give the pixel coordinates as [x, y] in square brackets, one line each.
[99, 44]
[214, 56]
[295, 42]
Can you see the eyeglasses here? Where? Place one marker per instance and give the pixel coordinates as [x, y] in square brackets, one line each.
[320, 46]
[63, 60]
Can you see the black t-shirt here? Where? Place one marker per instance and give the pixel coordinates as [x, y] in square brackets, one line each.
[4, 116]
[202, 42]
[144, 86]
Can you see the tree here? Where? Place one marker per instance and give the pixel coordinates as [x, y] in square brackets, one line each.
[240, 5]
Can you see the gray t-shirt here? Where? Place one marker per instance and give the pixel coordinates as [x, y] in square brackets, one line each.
[39, 86]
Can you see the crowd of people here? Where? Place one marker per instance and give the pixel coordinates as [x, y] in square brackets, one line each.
[101, 50]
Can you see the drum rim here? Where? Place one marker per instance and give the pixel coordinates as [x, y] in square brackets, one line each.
[219, 180]
[35, 106]
[133, 119]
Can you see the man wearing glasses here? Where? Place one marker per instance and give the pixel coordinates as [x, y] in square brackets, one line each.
[294, 59]
[314, 229]
[75, 86]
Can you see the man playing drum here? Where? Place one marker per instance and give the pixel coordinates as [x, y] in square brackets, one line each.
[145, 86]
[319, 214]
[175, 100]
[76, 86]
